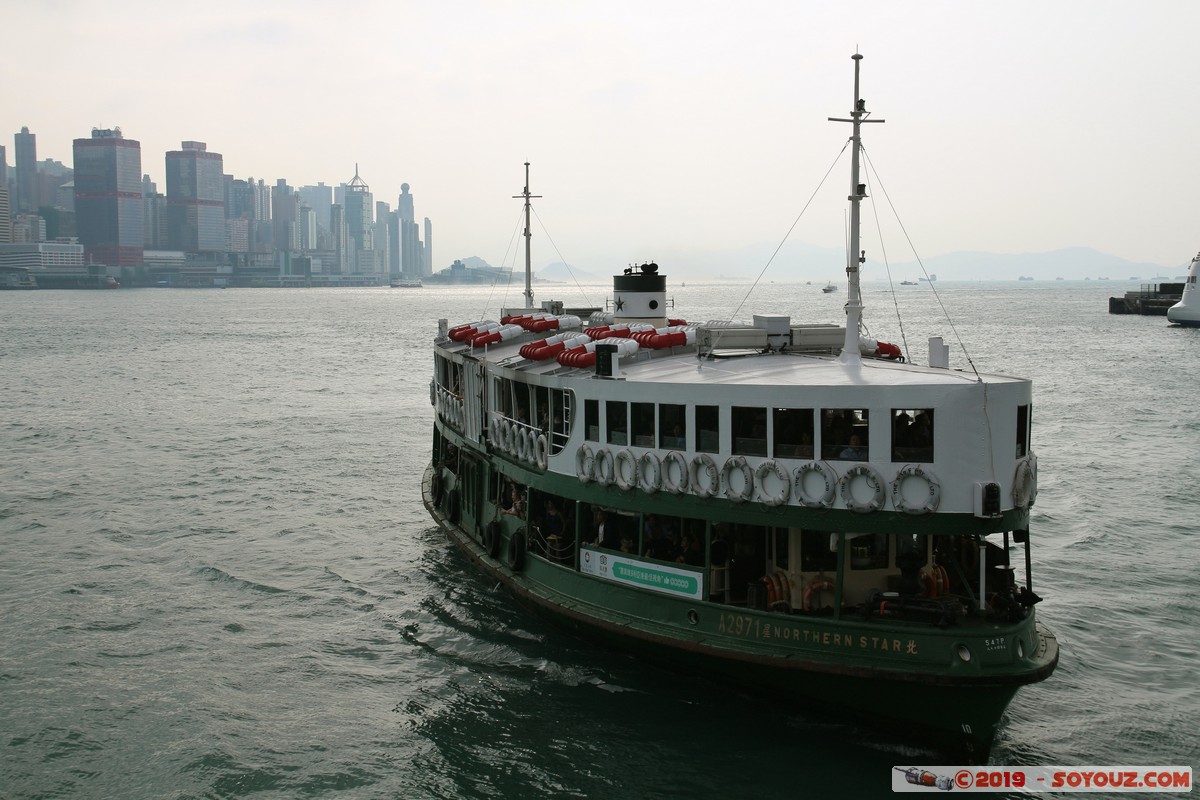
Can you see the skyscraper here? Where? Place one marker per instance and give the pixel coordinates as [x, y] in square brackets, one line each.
[359, 233]
[410, 235]
[195, 199]
[25, 153]
[108, 198]
[427, 252]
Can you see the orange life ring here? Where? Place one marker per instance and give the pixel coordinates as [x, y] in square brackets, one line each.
[772, 590]
[816, 586]
[783, 589]
[932, 581]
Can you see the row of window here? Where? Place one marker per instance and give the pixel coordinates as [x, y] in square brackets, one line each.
[836, 434]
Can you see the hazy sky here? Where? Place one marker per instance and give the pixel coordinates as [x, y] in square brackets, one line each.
[692, 133]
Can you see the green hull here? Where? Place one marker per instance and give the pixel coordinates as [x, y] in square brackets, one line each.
[904, 675]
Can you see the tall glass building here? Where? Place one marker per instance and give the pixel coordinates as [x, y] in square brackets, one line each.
[108, 198]
[195, 199]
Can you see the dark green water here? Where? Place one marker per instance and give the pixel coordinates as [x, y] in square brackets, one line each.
[217, 578]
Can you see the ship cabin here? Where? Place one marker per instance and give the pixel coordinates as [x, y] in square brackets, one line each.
[744, 465]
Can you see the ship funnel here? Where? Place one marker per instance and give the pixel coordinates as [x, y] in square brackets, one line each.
[640, 295]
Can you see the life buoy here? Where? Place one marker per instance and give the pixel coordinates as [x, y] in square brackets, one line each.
[930, 497]
[673, 462]
[704, 464]
[540, 451]
[511, 439]
[605, 466]
[766, 469]
[1024, 483]
[491, 539]
[516, 550]
[584, 463]
[779, 590]
[875, 483]
[815, 587]
[650, 472]
[784, 594]
[738, 463]
[819, 499]
[936, 581]
[626, 478]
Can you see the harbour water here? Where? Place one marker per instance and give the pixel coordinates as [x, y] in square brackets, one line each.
[217, 578]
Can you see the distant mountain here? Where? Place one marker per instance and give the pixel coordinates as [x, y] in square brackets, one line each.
[565, 273]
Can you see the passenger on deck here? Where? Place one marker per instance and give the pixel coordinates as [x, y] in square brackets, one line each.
[599, 534]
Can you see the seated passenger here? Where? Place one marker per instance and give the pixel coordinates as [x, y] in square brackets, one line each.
[855, 451]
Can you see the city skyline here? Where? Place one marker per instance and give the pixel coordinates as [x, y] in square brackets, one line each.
[689, 135]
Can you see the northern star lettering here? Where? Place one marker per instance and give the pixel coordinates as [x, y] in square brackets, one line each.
[766, 630]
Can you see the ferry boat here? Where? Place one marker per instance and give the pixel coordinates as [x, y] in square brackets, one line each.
[1187, 311]
[829, 288]
[790, 508]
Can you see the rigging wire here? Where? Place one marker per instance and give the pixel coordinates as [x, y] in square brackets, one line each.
[907, 238]
[561, 259]
[496, 279]
[886, 264]
[789, 231]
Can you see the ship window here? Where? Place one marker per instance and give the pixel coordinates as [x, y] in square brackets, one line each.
[560, 420]
[845, 434]
[793, 433]
[503, 397]
[708, 429]
[591, 420]
[643, 424]
[672, 426]
[816, 554]
[749, 431]
[868, 550]
[912, 434]
[1023, 416]
[617, 422]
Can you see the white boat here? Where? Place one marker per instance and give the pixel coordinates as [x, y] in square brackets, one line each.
[406, 283]
[789, 506]
[1187, 310]
[829, 288]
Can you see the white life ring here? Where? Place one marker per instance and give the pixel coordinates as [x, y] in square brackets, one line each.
[668, 482]
[497, 432]
[739, 464]
[650, 472]
[772, 467]
[511, 439]
[822, 499]
[585, 462]
[1025, 483]
[874, 481]
[522, 443]
[605, 466]
[541, 450]
[626, 479]
[930, 498]
[704, 463]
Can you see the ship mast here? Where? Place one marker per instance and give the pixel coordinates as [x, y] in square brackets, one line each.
[854, 307]
[528, 236]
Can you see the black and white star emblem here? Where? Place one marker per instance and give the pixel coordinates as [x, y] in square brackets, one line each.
[620, 304]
